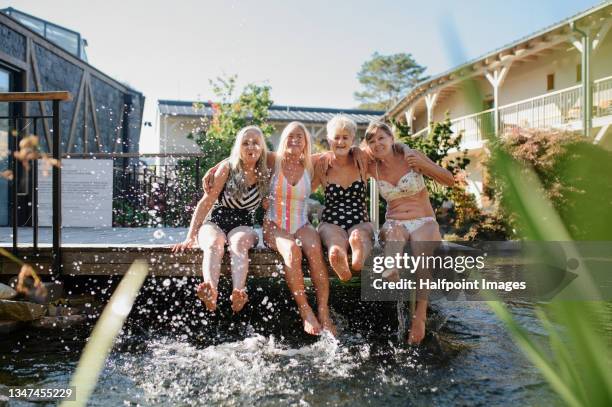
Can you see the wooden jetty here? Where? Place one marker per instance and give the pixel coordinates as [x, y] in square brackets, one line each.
[103, 260]
[111, 251]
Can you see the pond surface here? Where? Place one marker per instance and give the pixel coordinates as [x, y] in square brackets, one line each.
[172, 352]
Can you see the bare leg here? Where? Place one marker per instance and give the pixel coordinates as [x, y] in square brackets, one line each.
[424, 241]
[211, 240]
[336, 241]
[284, 244]
[360, 239]
[241, 239]
[394, 236]
[311, 245]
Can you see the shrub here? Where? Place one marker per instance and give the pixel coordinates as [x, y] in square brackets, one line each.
[573, 174]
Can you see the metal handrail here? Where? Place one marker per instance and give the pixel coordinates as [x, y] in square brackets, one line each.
[133, 155]
[545, 95]
[56, 98]
[607, 78]
[470, 116]
[600, 86]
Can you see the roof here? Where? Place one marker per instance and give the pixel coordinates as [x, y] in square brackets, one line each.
[8, 10]
[60, 51]
[276, 112]
[491, 54]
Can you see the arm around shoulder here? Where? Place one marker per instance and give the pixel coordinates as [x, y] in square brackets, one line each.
[436, 172]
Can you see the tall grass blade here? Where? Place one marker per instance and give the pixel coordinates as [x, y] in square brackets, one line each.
[106, 330]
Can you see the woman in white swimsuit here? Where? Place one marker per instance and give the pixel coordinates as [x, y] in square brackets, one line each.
[410, 216]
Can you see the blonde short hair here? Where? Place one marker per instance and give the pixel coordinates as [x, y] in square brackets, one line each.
[339, 122]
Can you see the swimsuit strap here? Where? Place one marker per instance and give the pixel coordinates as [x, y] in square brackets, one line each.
[360, 170]
[377, 176]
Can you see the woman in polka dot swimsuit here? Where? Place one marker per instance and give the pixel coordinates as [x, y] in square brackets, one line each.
[344, 221]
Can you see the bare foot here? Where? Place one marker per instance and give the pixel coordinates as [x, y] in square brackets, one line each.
[357, 250]
[311, 323]
[339, 263]
[208, 294]
[417, 331]
[326, 322]
[239, 298]
[357, 262]
[391, 275]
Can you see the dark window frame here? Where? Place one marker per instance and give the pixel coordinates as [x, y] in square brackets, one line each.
[550, 81]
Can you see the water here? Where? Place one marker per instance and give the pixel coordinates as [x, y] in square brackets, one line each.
[172, 353]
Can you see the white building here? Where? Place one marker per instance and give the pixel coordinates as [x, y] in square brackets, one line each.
[535, 82]
[176, 119]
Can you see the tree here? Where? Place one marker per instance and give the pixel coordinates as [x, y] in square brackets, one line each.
[230, 114]
[386, 78]
[173, 202]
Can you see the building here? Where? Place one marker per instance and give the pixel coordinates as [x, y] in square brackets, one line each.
[539, 81]
[36, 55]
[176, 119]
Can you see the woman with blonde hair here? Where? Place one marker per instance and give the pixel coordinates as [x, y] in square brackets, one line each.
[287, 229]
[344, 222]
[238, 188]
[410, 217]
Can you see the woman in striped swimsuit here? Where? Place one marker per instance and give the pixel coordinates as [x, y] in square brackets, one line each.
[287, 230]
[238, 188]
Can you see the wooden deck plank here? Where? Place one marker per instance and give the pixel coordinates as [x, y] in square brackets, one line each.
[110, 251]
[116, 261]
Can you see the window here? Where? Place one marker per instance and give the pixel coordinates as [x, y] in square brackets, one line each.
[579, 73]
[31, 23]
[63, 38]
[550, 81]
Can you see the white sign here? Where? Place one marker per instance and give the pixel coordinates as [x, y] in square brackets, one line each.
[87, 193]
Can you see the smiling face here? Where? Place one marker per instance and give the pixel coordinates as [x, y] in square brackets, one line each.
[341, 141]
[296, 141]
[251, 148]
[380, 144]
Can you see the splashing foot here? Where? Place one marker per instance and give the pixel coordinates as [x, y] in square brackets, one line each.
[208, 294]
[326, 322]
[239, 298]
[311, 323]
[417, 331]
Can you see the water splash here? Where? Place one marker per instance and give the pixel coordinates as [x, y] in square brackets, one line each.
[401, 321]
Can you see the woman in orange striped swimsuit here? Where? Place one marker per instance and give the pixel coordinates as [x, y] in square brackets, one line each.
[287, 230]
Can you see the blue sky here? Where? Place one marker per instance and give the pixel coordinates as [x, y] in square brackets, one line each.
[308, 51]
